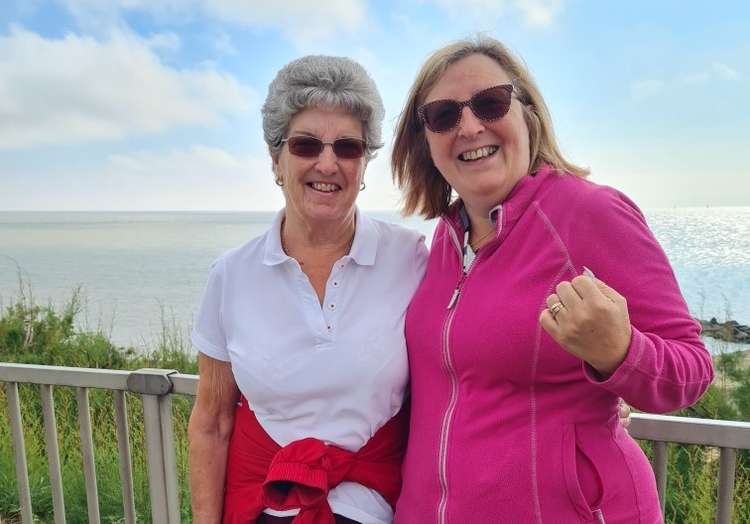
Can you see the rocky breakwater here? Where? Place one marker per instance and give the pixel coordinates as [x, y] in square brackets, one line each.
[730, 331]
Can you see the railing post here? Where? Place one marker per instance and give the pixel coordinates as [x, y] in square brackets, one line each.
[726, 485]
[126, 467]
[53, 452]
[87, 454]
[155, 387]
[22, 472]
[660, 472]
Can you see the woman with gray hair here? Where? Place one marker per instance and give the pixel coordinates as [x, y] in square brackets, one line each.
[302, 357]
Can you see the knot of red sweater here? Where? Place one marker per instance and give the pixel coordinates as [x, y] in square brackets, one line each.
[300, 476]
[261, 474]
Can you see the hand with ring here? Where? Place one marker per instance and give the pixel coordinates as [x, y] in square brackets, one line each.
[555, 308]
[590, 320]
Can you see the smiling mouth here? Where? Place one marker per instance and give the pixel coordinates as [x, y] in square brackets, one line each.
[324, 188]
[478, 154]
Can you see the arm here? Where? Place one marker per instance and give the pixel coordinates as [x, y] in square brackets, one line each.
[209, 430]
[663, 365]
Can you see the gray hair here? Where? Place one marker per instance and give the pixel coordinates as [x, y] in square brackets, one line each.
[322, 81]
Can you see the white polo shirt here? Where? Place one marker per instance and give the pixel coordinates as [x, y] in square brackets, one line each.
[337, 372]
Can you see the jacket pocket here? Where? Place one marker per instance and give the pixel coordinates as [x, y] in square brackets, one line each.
[582, 478]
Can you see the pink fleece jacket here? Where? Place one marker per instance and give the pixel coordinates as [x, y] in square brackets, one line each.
[506, 426]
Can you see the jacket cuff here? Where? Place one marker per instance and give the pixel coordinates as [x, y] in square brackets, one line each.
[626, 367]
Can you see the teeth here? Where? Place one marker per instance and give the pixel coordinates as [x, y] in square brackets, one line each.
[327, 188]
[478, 153]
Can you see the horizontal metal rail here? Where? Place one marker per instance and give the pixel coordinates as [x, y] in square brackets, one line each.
[685, 430]
[156, 387]
[727, 435]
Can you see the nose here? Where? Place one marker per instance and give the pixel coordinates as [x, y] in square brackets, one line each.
[327, 163]
[469, 126]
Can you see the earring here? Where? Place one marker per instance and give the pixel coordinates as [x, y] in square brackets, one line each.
[279, 182]
[362, 187]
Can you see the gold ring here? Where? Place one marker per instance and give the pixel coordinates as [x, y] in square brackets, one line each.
[555, 308]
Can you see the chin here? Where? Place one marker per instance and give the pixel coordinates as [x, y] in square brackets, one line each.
[321, 213]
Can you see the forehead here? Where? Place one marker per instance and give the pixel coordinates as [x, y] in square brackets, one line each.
[467, 76]
[325, 122]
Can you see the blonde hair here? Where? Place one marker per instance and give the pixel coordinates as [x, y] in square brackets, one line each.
[425, 190]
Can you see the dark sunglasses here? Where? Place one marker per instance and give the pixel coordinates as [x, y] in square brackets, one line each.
[311, 147]
[487, 105]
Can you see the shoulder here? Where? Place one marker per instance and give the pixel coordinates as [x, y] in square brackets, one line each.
[577, 198]
[245, 255]
[394, 233]
[398, 243]
[393, 236]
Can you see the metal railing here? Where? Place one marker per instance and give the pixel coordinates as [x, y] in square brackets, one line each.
[156, 387]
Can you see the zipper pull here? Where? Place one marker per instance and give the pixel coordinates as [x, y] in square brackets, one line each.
[454, 297]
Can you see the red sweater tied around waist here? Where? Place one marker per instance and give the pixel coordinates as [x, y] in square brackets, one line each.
[261, 474]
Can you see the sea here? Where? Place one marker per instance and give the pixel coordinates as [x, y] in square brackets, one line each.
[139, 272]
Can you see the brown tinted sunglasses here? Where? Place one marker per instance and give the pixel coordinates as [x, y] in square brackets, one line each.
[311, 147]
[490, 104]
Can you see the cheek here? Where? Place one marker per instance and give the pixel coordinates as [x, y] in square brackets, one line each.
[439, 149]
[357, 172]
[520, 130]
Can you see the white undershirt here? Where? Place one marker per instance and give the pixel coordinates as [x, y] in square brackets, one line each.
[337, 372]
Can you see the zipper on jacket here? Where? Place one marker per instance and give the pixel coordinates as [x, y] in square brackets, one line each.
[443, 450]
[445, 428]
[456, 293]
[463, 253]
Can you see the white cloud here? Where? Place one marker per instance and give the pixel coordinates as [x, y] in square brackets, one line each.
[535, 13]
[724, 71]
[224, 45]
[716, 72]
[301, 21]
[696, 78]
[539, 13]
[77, 89]
[199, 160]
[646, 89]
[164, 41]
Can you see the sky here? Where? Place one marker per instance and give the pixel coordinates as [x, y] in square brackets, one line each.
[155, 104]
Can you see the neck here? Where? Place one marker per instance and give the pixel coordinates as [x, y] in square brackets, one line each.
[481, 226]
[479, 218]
[324, 237]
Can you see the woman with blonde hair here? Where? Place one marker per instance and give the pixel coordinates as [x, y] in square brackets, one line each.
[517, 352]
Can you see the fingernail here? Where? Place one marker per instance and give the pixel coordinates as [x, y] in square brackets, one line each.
[588, 272]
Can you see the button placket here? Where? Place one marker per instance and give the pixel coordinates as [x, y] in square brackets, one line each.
[315, 314]
[332, 295]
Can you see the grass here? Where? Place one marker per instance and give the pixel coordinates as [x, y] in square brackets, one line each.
[35, 334]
